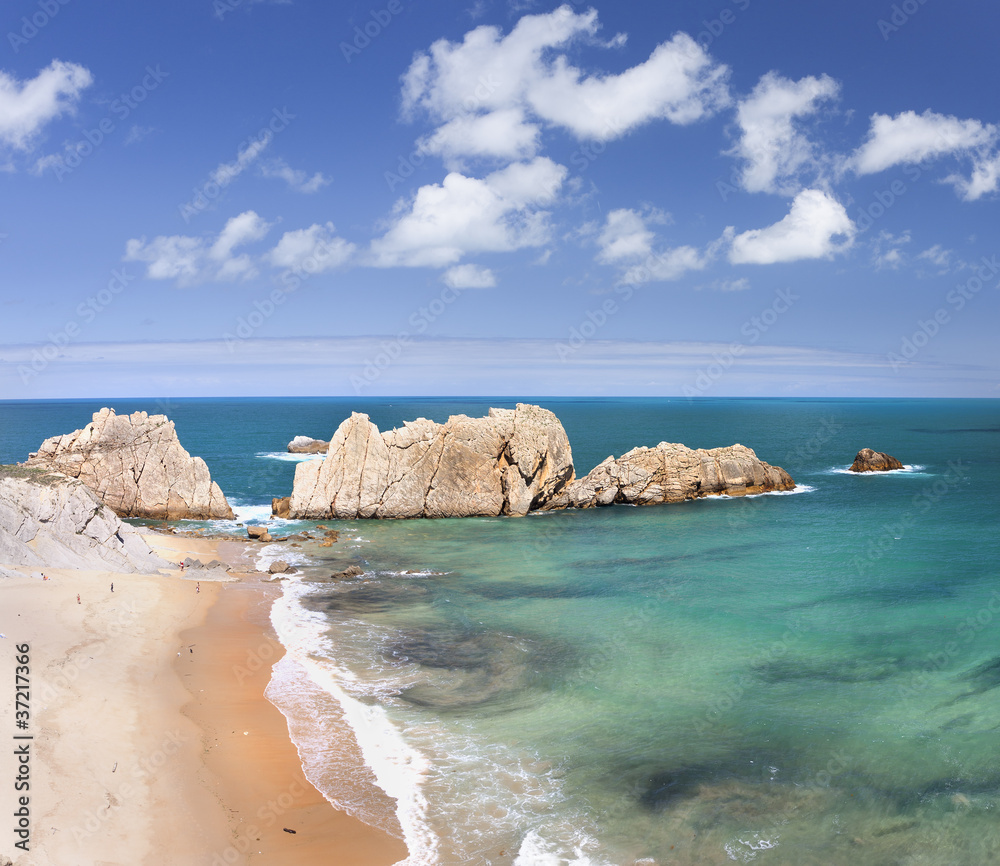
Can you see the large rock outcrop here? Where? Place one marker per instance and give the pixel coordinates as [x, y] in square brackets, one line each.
[511, 462]
[874, 461]
[137, 467]
[51, 521]
[673, 473]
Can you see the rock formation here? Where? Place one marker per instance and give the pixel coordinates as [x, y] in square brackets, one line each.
[51, 521]
[672, 473]
[280, 506]
[137, 467]
[306, 445]
[510, 462]
[874, 461]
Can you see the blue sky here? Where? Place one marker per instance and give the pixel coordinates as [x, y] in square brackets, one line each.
[704, 199]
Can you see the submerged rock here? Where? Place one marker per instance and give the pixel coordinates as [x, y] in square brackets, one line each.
[874, 461]
[673, 473]
[510, 462]
[51, 521]
[137, 467]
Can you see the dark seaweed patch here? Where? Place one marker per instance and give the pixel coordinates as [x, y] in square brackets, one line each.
[370, 596]
[510, 591]
[834, 671]
[463, 669]
[984, 677]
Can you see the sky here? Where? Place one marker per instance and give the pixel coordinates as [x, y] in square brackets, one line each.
[505, 197]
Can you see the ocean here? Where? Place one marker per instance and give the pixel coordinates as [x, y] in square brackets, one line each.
[801, 678]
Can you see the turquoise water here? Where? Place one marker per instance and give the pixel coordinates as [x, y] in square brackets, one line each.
[788, 679]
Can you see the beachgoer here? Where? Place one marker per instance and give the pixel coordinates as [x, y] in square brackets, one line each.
[112, 587]
[78, 598]
[197, 587]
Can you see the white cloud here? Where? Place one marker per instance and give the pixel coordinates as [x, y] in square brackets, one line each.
[910, 137]
[626, 240]
[191, 260]
[313, 250]
[624, 236]
[297, 179]
[502, 134]
[775, 151]
[985, 178]
[27, 106]
[469, 277]
[137, 133]
[679, 82]
[809, 231]
[937, 255]
[504, 84]
[668, 265]
[461, 215]
[887, 250]
[740, 285]
[227, 172]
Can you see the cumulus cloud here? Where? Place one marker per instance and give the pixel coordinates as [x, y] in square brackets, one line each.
[887, 250]
[499, 213]
[489, 92]
[809, 231]
[313, 250]
[246, 156]
[627, 241]
[469, 277]
[501, 134]
[910, 138]
[296, 179]
[192, 260]
[671, 264]
[625, 236]
[772, 145]
[27, 106]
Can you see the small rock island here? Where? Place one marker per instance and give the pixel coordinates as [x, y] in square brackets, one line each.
[874, 461]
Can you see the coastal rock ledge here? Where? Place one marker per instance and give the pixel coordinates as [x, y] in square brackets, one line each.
[673, 473]
[874, 461]
[50, 521]
[137, 467]
[511, 462]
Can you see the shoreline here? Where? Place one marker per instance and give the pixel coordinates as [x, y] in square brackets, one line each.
[140, 697]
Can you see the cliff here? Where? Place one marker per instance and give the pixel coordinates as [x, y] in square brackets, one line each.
[51, 521]
[137, 467]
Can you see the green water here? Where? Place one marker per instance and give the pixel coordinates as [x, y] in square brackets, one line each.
[796, 679]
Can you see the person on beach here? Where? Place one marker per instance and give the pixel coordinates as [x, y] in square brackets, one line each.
[112, 587]
[197, 586]
[78, 598]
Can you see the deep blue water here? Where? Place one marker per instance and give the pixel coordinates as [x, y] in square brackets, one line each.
[796, 679]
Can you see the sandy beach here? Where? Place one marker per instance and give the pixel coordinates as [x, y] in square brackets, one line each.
[152, 740]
